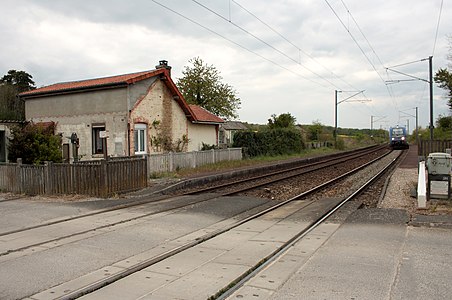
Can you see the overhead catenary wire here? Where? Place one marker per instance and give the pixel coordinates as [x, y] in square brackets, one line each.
[437, 27]
[229, 17]
[354, 40]
[363, 52]
[293, 44]
[264, 42]
[235, 43]
[390, 92]
[362, 33]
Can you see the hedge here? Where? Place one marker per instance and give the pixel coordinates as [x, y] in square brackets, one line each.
[272, 142]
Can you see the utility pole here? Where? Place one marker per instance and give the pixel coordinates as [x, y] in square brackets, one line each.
[430, 64]
[335, 115]
[380, 118]
[417, 128]
[430, 81]
[337, 103]
[408, 122]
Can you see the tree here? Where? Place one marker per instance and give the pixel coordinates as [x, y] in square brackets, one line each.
[201, 85]
[444, 122]
[444, 80]
[315, 131]
[282, 121]
[443, 77]
[20, 79]
[11, 84]
[34, 144]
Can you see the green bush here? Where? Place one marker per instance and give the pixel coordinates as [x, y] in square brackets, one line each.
[271, 142]
[34, 144]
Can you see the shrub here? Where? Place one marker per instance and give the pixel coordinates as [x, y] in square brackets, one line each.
[271, 142]
[34, 144]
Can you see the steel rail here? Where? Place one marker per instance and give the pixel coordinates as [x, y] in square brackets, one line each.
[137, 203]
[233, 287]
[330, 162]
[322, 163]
[153, 260]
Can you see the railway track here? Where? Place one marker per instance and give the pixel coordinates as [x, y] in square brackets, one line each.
[74, 289]
[225, 189]
[217, 187]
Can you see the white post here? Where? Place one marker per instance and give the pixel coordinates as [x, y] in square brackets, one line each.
[421, 187]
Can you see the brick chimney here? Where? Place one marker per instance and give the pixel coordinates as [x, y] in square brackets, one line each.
[163, 64]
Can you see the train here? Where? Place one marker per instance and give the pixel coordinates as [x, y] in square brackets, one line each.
[398, 138]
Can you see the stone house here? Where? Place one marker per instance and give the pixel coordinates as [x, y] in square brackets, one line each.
[122, 115]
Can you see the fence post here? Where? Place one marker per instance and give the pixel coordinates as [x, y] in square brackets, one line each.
[148, 165]
[193, 154]
[146, 171]
[213, 156]
[48, 184]
[104, 178]
[171, 161]
[19, 175]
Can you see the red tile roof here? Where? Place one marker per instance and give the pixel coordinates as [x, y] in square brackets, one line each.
[203, 115]
[124, 79]
[193, 112]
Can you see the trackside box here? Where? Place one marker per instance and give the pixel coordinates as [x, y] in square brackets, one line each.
[439, 163]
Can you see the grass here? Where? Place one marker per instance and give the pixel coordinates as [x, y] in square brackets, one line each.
[441, 207]
[230, 165]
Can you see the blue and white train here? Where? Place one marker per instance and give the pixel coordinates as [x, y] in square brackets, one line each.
[398, 138]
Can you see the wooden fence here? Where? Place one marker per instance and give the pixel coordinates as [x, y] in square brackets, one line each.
[426, 147]
[169, 162]
[94, 178]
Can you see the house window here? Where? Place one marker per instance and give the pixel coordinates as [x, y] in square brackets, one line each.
[140, 138]
[98, 147]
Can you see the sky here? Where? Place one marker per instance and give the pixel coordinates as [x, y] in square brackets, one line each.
[287, 56]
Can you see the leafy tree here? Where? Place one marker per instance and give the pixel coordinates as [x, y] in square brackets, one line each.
[282, 121]
[443, 77]
[20, 79]
[315, 130]
[34, 144]
[201, 85]
[11, 84]
[444, 122]
[444, 80]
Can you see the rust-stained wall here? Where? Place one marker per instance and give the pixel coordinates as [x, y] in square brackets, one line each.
[164, 117]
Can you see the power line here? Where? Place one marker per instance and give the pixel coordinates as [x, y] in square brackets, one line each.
[361, 49]
[362, 33]
[291, 43]
[437, 27]
[407, 63]
[235, 43]
[264, 42]
[354, 39]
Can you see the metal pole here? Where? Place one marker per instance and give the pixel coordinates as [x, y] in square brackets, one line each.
[335, 116]
[430, 63]
[417, 133]
[371, 124]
